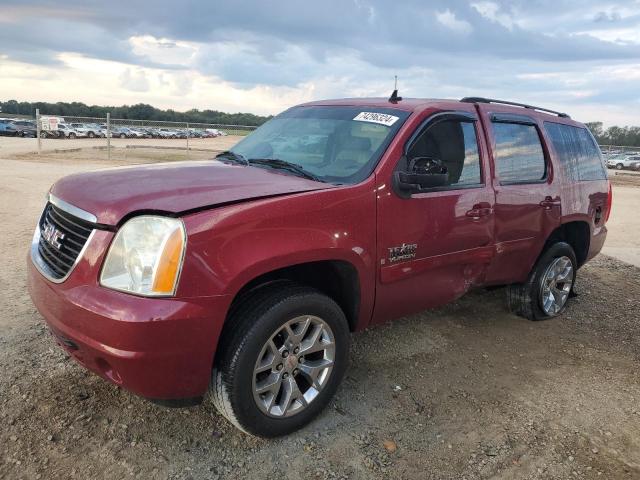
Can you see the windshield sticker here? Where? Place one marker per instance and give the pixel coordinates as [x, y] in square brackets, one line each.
[373, 117]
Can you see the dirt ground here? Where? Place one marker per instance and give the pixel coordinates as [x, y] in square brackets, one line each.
[467, 391]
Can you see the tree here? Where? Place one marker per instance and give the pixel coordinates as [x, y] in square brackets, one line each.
[140, 111]
[596, 129]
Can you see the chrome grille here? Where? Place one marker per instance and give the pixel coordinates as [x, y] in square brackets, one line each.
[61, 240]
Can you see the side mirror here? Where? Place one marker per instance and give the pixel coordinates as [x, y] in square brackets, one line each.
[422, 173]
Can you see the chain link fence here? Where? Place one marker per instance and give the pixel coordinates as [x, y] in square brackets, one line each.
[114, 133]
[608, 150]
[622, 159]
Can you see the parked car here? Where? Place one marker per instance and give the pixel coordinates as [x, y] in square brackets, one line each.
[216, 132]
[67, 131]
[87, 130]
[634, 162]
[137, 133]
[24, 128]
[6, 127]
[168, 133]
[148, 132]
[622, 161]
[245, 275]
[210, 133]
[121, 132]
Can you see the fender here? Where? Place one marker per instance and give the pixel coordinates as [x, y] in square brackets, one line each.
[232, 245]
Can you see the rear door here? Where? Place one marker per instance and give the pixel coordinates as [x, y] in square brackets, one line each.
[528, 203]
[434, 245]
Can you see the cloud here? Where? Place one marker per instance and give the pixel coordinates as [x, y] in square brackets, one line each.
[448, 19]
[278, 52]
[136, 81]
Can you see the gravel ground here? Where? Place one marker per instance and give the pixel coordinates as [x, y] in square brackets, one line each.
[467, 391]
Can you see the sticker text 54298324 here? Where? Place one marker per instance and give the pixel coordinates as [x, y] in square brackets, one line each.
[373, 117]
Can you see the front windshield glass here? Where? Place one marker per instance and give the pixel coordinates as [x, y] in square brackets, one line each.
[336, 144]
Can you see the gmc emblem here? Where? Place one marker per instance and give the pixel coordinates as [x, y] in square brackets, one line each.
[52, 235]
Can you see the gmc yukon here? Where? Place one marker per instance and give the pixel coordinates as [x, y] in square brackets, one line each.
[243, 276]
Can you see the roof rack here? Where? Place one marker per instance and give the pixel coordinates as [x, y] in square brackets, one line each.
[515, 104]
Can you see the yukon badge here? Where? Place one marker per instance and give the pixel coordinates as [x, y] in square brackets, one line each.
[403, 252]
[52, 235]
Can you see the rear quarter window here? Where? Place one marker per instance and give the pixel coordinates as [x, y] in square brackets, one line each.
[577, 152]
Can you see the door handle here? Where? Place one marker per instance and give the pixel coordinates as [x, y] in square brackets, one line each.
[480, 210]
[549, 203]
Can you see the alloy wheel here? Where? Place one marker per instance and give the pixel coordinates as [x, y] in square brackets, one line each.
[556, 285]
[293, 366]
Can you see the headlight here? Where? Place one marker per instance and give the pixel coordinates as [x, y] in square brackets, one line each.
[146, 256]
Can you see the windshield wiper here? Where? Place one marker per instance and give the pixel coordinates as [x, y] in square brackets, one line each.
[233, 156]
[284, 165]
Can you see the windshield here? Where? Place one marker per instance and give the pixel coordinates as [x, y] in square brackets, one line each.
[335, 144]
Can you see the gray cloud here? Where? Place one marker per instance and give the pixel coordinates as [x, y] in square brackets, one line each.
[443, 47]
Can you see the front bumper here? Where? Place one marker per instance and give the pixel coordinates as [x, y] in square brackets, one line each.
[159, 348]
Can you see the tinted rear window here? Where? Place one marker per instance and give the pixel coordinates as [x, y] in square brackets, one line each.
[518, 153]
[577, 151]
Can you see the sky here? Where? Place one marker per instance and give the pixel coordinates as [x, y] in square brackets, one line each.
[582, 57]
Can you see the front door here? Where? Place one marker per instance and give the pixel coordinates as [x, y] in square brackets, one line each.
[434, 245]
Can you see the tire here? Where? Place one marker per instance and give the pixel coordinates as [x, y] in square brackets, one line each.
[122, 135]
[72, 136]
[91, 135]
[528, 299]
[257, 323]
[619, 166]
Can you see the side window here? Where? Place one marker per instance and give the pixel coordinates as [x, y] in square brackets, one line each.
[579, 156]
[455, 145]
[518, 154]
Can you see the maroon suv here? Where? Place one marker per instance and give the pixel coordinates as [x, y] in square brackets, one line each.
[244, 275]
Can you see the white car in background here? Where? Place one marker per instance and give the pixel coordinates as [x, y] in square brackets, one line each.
[67, 131]
[88, 130]
[135, 133]
[620, 162]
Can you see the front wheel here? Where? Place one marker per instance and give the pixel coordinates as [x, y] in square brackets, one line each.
[619, 166]
[72, 136]
[544, 295]
[284, 356]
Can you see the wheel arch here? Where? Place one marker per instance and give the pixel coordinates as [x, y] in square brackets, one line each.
[338, 279]
[575, 233]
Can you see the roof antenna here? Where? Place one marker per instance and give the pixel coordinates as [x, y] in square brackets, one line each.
[394, 98]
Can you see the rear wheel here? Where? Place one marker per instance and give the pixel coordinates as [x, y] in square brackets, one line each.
[544, 295]
[72, 135]
[122, 135]
[91, 135]
[283, 360]
[619, 166]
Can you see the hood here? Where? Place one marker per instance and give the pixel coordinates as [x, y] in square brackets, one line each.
[174, 187]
